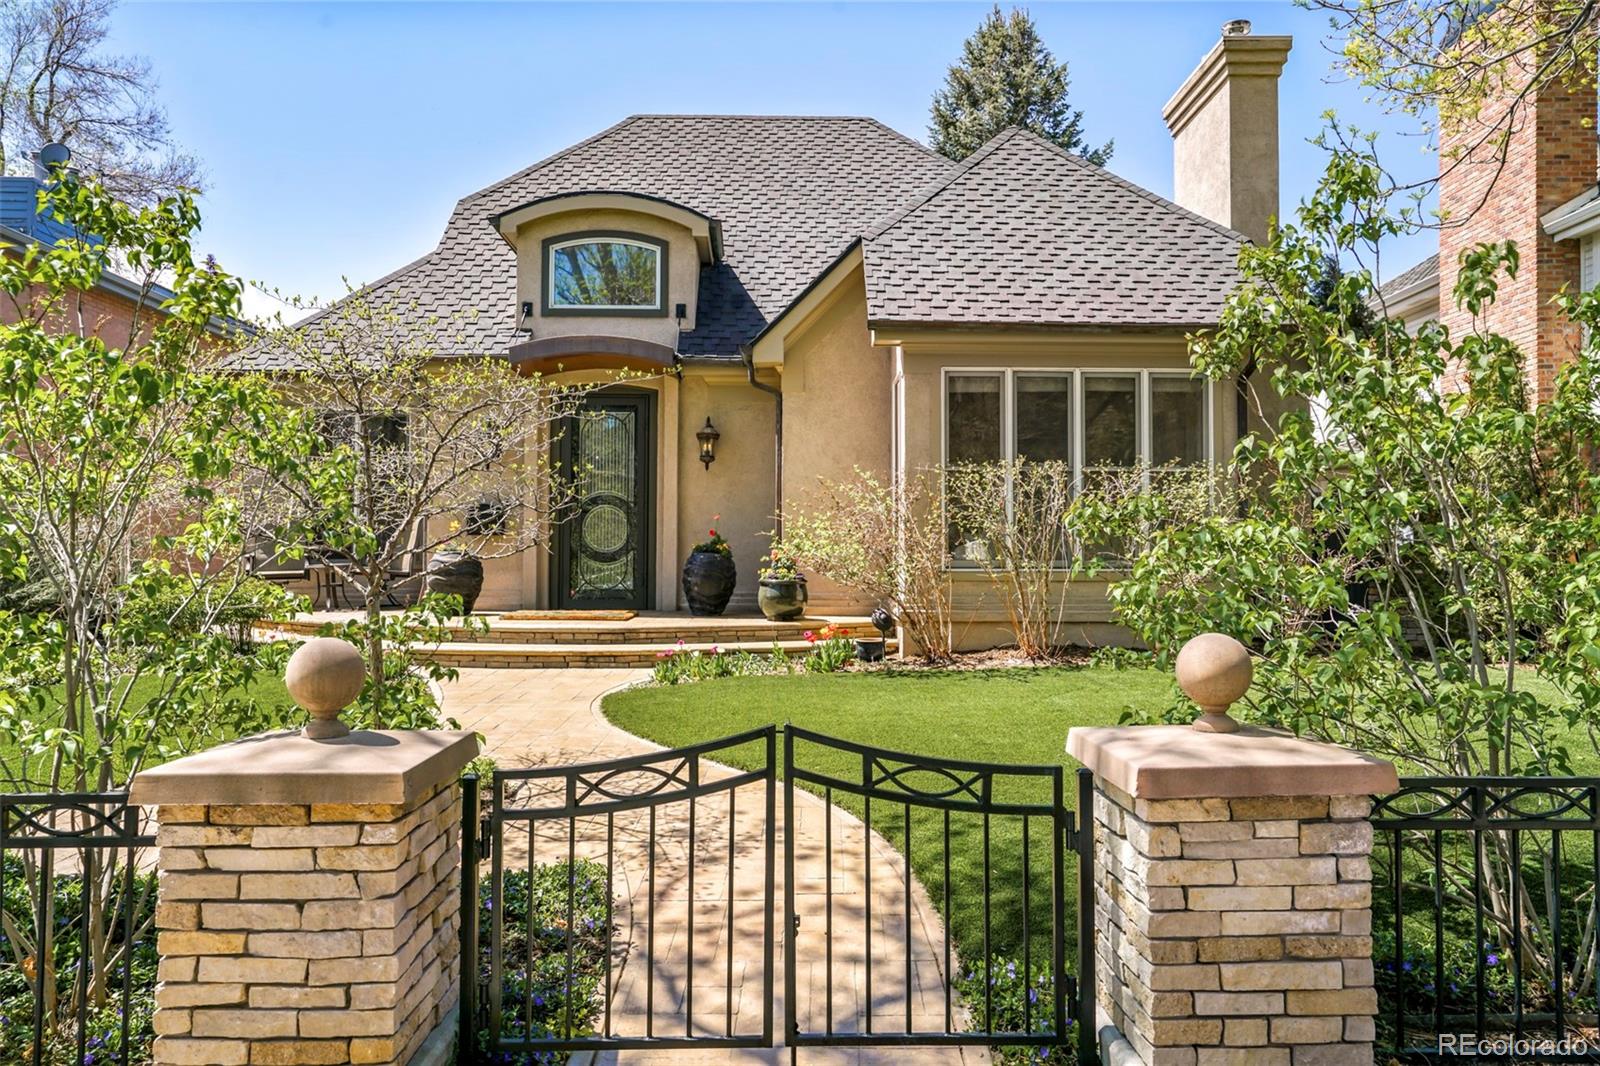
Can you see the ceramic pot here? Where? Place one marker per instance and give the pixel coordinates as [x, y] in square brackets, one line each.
[708, 579]
[782, 599]
[869, 651]
[456, 573]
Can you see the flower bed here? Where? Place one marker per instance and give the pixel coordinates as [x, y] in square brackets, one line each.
[830, 652]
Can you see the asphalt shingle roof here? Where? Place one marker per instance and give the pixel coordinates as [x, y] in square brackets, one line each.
[790, 192]
[1025, 234]
[1428, 268]
[1019, 234]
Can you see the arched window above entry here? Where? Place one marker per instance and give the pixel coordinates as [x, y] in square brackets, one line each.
[604, 273]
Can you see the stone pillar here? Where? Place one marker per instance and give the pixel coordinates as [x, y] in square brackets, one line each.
[1233, 897]
[309, 898]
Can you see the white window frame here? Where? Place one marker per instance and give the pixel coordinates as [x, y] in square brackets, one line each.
[654, 247]
[1008, 395]
[1008, 376]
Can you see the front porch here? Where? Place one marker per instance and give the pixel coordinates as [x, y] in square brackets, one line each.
[604, 639]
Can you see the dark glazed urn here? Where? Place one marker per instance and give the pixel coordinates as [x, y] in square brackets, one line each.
[782, 600]
[708, 579]
[453, 573]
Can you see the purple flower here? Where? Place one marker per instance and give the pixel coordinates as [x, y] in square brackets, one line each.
[1492, 959]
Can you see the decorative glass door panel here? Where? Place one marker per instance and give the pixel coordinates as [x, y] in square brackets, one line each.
[604, 544]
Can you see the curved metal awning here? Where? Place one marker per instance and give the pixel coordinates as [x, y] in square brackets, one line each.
[553, 355]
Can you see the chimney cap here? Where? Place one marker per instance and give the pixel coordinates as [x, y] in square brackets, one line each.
[1236, 28]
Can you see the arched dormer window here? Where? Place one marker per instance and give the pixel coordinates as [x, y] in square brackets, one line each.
[605, 273]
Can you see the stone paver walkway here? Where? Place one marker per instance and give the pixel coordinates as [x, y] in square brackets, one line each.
[552, 717]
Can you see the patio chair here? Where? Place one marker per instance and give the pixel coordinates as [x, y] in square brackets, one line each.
[266, 560]
[412, 563]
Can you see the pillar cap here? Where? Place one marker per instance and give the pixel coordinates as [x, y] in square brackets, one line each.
[367, 766]
[1174, 762]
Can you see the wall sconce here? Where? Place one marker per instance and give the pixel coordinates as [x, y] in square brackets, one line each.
[708, 443]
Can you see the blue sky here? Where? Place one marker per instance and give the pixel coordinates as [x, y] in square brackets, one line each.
[336, 137]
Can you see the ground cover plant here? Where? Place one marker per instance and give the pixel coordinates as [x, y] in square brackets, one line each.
[536, 982]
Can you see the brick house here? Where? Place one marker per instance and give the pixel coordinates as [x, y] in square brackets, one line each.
[1539, 189]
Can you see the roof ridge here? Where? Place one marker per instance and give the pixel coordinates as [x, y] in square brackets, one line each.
[928, 193]
[1132, 186]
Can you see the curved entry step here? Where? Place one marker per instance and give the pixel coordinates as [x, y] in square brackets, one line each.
[593, 642]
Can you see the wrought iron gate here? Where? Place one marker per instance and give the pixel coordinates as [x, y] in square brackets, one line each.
[630, 903]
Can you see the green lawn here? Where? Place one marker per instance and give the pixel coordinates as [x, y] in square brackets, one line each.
[1005, 716]
[268, 687]
[1016, 716]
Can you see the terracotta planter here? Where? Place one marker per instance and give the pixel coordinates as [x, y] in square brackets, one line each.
[782, 599]
[708, 580]
[454, 573]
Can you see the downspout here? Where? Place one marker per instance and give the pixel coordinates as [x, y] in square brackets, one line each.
[777, 438]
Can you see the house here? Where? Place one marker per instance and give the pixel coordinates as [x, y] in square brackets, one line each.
[826, 294]
[120, 303]
[1524, 171]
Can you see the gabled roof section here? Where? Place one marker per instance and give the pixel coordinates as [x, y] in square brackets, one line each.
[1023, 234]
[788, 191]
[1417, 276]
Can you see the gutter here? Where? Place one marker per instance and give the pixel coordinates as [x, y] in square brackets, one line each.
[747, 353]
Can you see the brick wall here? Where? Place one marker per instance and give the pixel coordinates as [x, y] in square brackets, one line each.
[1549, 157]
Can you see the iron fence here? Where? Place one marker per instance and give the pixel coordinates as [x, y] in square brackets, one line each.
[75, 921]
[1485, 920]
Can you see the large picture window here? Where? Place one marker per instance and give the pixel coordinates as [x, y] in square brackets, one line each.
[604, 273]
[1093, 420]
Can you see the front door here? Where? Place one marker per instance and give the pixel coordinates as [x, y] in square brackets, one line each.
[605, 543]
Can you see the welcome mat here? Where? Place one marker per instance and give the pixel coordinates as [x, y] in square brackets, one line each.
[569, 616]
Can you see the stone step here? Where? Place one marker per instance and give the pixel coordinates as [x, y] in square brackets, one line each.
[576, 655]
[655, 630]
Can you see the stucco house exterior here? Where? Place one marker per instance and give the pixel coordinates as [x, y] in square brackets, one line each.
[829, 294]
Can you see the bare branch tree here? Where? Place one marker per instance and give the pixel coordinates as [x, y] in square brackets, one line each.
[421, 449]
[58, 83]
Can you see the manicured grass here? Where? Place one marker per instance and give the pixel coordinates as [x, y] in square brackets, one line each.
[1005, 716]
[267, 687]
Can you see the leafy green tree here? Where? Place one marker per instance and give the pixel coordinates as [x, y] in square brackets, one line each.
[1007, 77]
[1419, 562]
[116, 515]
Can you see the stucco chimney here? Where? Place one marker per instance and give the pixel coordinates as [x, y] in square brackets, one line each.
[1224, 123]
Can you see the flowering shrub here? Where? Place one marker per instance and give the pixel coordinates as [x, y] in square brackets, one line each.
[831, 650]
[683, 664]
[714, 541]
[780, 567]
[1019, 1005]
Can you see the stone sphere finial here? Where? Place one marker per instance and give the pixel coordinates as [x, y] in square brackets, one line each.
[324, 676]
[1214, 670]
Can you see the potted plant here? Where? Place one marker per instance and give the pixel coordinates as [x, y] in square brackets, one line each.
[455, 571]
[708, 575]
[781, 587]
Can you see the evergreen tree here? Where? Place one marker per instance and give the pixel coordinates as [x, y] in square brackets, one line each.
[1007, 77]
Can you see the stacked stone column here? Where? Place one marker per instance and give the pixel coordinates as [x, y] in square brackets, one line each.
[306, 933]
[1236, 930]
[1233, 893]
[310, 898]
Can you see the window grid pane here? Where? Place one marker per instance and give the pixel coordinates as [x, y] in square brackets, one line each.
[973, 418]
[1043, 416]
[1110, 420]
[1177, 420]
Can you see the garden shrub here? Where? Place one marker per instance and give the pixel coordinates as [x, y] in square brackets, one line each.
[135, 963]
[1019, 1005]
[534, 913]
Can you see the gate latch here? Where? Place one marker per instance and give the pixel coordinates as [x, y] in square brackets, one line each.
[794, 921]
[485, 837]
